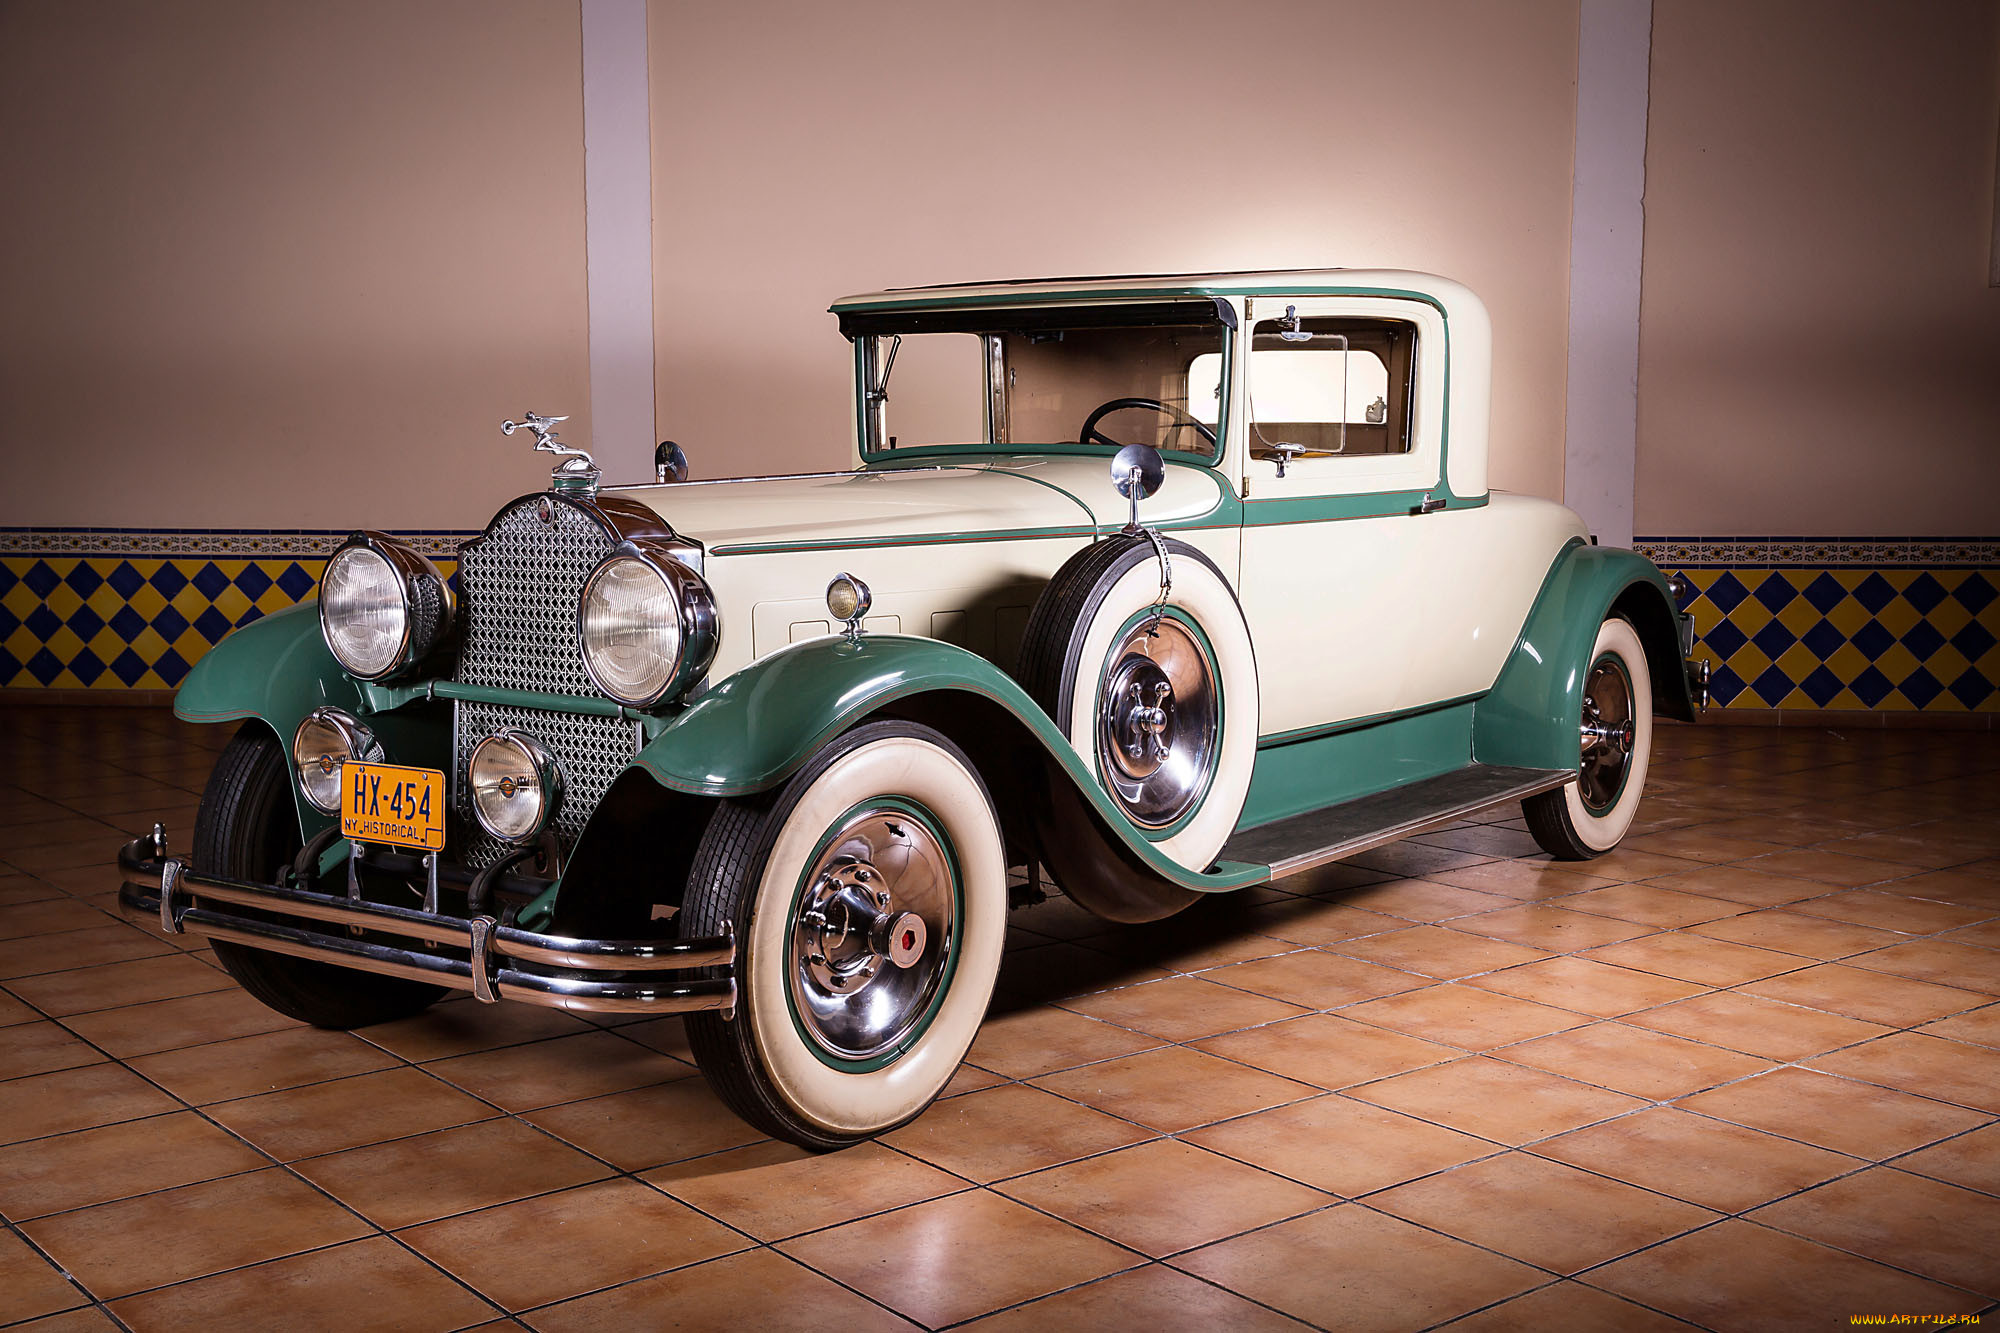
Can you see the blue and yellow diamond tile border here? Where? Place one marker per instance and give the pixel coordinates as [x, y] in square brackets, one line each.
[1843, 625]
[1876, 624]
[109, 610]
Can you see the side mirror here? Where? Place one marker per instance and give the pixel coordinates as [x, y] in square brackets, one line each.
[1136, 472]
[670, 462]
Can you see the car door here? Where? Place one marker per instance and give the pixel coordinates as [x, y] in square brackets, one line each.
[1343, 425]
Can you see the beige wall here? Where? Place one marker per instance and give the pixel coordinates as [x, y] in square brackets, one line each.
[805, 151]
[1819, 349]
[270, 265]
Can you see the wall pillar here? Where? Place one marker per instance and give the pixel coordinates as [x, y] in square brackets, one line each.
[618, 234]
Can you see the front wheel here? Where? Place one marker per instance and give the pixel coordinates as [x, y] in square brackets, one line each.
[868, 901]
[1588, 817]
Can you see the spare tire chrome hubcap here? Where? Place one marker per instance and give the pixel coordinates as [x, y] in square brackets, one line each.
[1159, 722]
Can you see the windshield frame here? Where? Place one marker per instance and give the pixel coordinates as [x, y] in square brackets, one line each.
[871, 330]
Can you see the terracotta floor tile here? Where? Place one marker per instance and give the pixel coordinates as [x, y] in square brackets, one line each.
[1207, 935]
[1757, 1026]
[371, 1284]
[566, 1069]
[960, 1256]
[1485, 839]
[1551, 927]
[1930, 1228]
[460, 1027]
[1434, 951]
[1698, 844]
[1709, 1162]
[1944, 962]
[1963, 886]
[1151, 1297]
[1174, 1088]
[1044, 1039]
[1464, 1016]
[12, 1011]
[1651, 905]
[970, 1078]
[103, 987]
[1633, 1060]
[1849, 872]
[1874, 996]
[72, 1099]
[1410, 860]
[1629, 863]
[267, 1062]
[42, 1048]
[1737, 1275]
[405, 1181]
[1949, 1071]
[1890, 911]
[348, 1113]
[667, 1122]
[1791, 932]
[1570, 1307]
[560, 1245]
[1529, 881]
[1010, 1130]
[95, 1166]
[1586, 986]
[1314, 921]
[1059, 918]
[206, 1223]
[1971, 1160]
[1978, 1026]
[105, 941]
[44, 918]
[1328, 1050]
[773, 1190]
[1697, 958]
[1345, 1147]
[1314, 979]
[1742, 886]
[1063, 970]
[1834, 1113]
[1163, 1197]
[1503, 1102]
[164, 1025]
[1360, 1271]
[1541, 1212]
[1986, 935]
[29, 1284]
[758, 1289]
[1422, 899]
[1182, 1008]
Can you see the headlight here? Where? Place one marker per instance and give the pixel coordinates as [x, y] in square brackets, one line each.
[324, 741]
[647, 624]
[516, 786]
[382, 606]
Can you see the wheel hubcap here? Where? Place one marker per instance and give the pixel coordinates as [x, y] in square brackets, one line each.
[871, 933]
[1606, 735]
[1158, 719]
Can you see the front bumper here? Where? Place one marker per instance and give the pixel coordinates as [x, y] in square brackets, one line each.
[478, 954]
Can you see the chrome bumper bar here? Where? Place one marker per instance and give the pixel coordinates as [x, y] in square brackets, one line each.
[500, 962]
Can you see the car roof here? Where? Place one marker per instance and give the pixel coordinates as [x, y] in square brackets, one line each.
[1243, 283]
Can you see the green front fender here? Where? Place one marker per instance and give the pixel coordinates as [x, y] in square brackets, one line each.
[760, 725]
[1530, 716]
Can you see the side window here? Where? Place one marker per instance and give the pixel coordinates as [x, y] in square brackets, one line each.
[1330, 388]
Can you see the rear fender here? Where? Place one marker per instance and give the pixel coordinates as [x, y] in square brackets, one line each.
[1530, 716]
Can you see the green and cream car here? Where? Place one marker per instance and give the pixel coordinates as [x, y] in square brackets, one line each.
[1148, 588]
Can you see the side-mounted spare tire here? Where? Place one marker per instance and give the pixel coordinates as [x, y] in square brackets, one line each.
[1158, 692]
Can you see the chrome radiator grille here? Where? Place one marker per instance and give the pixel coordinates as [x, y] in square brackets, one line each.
[518, 593]
[592, 751]
[519, 587]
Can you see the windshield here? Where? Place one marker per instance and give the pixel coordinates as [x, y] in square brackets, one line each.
[1048, 378]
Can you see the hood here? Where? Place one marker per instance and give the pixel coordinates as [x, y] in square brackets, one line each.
[908, 504]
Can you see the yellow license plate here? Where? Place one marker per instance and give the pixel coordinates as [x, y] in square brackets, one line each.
[387, 803]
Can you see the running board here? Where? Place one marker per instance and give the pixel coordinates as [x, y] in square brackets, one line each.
[1319, 836]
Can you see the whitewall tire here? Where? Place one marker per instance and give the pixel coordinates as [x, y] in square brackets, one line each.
[1590, 816]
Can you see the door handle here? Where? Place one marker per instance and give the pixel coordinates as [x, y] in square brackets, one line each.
[1430, 504]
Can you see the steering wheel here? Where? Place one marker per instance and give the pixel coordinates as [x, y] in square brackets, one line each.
[1090, 434]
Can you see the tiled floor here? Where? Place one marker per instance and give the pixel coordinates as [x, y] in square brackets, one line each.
[1742, 1074]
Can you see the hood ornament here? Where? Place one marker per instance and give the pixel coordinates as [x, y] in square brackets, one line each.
[577, 472]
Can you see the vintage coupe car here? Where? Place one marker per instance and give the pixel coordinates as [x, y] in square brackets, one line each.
[763, 751]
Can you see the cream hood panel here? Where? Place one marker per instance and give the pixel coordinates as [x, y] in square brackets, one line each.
[1010, 493]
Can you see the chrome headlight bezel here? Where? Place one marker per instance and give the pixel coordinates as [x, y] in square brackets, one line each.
[694, 606]
[531, 755]
[427, 607]
[337, 737]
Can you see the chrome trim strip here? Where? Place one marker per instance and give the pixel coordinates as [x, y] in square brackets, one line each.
[1292, 865]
